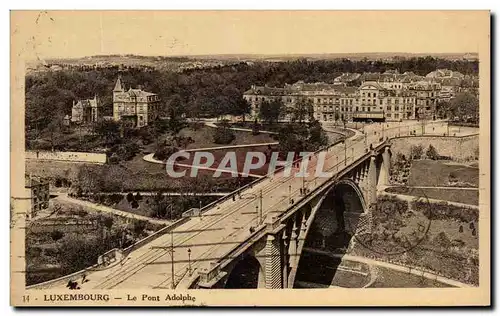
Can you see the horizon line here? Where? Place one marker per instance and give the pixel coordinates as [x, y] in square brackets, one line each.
[392, 54]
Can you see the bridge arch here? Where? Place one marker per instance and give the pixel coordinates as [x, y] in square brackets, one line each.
[331, 224]
[246, 274]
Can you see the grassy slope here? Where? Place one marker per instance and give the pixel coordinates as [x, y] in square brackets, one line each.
[436, 173]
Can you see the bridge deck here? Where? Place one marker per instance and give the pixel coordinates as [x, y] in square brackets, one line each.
[223, 227]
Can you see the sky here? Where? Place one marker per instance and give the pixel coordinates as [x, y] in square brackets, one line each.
[67, 34]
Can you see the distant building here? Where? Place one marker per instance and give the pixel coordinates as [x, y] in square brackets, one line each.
[135, 106]
[38, 191]
[86, 111]
[388, 96]
[333, 102]
[427, 96]
[445, 73]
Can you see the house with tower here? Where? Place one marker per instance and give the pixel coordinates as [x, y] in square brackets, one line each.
[135, 106]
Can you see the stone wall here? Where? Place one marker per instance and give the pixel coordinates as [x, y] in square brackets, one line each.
[458, 148]
[69, 156]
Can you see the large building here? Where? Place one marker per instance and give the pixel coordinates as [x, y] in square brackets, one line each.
[135, 106]
[388, 96]
[331, 102]
[86, 111]
[37, 189]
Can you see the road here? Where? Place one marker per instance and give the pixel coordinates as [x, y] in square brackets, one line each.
[105, 209]
[411, 198]
[224, 226]
[392, 266]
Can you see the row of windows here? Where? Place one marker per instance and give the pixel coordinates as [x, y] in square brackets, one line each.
[369, 94]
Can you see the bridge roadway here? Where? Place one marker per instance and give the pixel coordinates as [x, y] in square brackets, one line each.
[224, 226]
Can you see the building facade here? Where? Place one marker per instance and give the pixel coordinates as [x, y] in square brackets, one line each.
[388, 96]
[86, 111]
[37, 189]
[134, 106]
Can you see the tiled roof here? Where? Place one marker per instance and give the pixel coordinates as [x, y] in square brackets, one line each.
[371, 83]
[139, 93]
[265, 90]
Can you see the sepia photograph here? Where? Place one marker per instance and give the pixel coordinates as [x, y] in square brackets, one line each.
[176, 158]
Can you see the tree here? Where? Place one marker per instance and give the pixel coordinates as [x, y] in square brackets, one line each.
[465, 106]
[138, 196]
[109, 130]
[416, 152]
[163, 152]
[223, 134]
[270, 111]
[317, 136]
[303, 110]
[56, 235]
[138, 227]
[54, 129]
[175, 111]
[77, 252]
[108, 222]
[159, 205]
[432, 153]
[255, 128]
[89, 180]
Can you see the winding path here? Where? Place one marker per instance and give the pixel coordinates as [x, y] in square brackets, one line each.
[106, 209]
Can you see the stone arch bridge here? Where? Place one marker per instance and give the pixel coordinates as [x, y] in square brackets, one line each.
[257, 235]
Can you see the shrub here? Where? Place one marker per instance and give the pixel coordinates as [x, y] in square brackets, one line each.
[431, 153]
[113, 159]
[164, 152]
[138, 227]
[223, 136]
[416, 152]
[442, 240]
[56, 235]
[108, 222]
[138, 196]
[134, 204]
[130, 197]
[58, 182]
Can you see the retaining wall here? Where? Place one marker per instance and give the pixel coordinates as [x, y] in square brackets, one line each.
[459, 148]
[70, 156]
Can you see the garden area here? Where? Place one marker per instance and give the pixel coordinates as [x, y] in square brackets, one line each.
[71, 238]
[470, 197]
[442, 173]
[389, 278]
[424, 173]
[449, 247]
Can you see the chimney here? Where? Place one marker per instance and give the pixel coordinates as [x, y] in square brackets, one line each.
[139, 87]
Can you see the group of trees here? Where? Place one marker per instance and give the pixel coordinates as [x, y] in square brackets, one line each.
[223, 135]
[273, 110]
[463, 108]
[209, 92]
[418, 152]
[301, 137]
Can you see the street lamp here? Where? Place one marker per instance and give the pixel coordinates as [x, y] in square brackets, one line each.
[290, 194]
[345, 144]
[189, 262]
[257, 208]
[172, 257]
